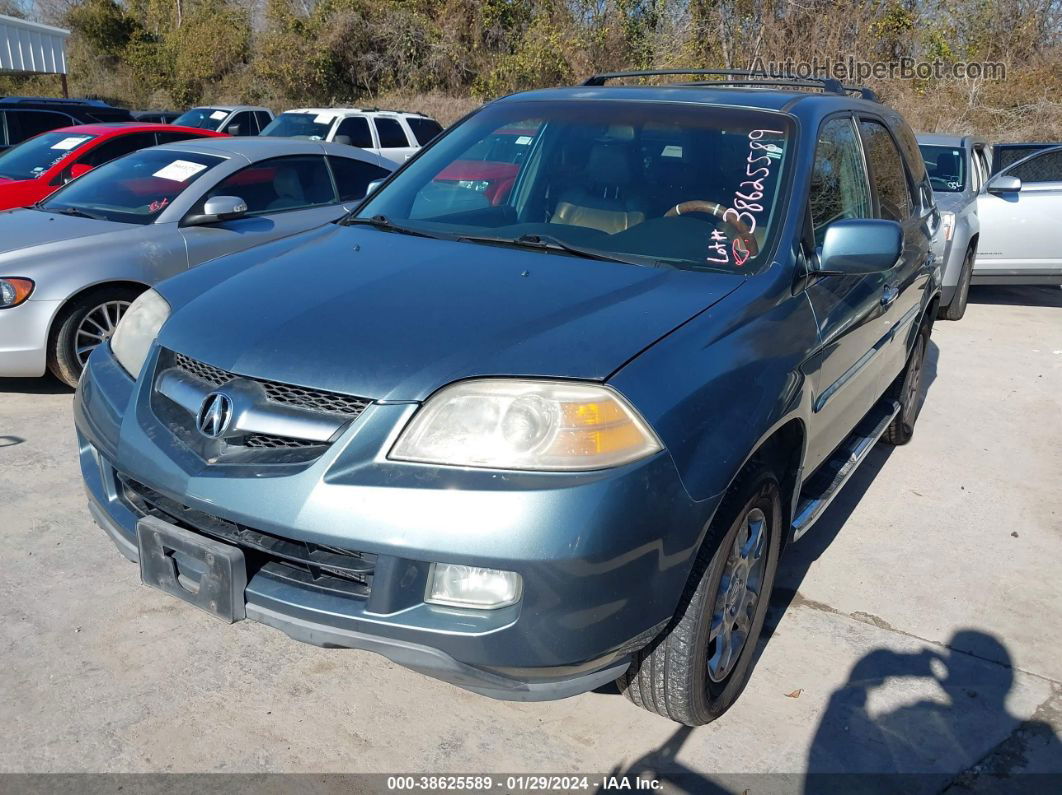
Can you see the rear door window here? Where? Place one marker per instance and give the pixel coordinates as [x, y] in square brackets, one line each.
[423, 129]
[279, 184]
[392, 136]
[887, 174]
[839, 187]
[262, 118]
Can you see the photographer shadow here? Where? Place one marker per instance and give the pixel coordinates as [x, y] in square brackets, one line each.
[940, 736]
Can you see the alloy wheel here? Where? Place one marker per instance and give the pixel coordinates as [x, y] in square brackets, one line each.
[913, 386]
[740, 589]
[96, 327]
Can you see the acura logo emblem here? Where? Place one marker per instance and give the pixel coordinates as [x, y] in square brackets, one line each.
[214, 415]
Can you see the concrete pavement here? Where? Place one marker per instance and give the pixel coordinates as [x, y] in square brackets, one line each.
[915, 629]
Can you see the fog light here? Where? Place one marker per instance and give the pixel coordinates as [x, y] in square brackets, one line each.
[472, 586]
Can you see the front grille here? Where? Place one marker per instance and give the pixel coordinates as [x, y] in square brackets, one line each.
[286, 394]
[318, 565]
[264, 441]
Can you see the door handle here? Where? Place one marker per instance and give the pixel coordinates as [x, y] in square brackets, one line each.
[889, 294]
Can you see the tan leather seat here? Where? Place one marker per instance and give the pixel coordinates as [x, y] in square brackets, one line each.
[601, 201]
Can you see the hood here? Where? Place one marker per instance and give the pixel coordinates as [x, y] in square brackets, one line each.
[24, 229]
[394, 317]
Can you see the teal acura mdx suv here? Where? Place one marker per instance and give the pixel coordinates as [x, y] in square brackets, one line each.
[546, 408]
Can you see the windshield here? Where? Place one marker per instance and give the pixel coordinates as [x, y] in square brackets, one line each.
[32, 158]
[310, 126]
[695, 187]
[203, 118]
[133, 189]
[946, 166]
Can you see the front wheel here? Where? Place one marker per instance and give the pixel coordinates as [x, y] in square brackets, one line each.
[957, 308]
[698, 667]
[83, 325]
[907, 389]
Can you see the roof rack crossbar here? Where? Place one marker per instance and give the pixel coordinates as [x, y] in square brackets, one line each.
[740, 77]
[98, 103]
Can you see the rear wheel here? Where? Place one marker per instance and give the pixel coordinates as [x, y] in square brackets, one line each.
[83, 325]
[698, 667]
[957, 308]
[907, 389]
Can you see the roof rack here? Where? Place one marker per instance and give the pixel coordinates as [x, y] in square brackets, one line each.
[97, 103]
[742, 77]
[390, 110]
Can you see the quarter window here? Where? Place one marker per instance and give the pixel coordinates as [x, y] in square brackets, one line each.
[391, 134]
[1046, 167]
[886, 171]
[839, 188]
[283, 183]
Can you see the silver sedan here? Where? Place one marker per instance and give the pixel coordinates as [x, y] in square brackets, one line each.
[71, 265]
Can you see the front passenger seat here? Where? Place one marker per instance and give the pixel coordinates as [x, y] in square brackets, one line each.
[288, 188]
[601, 202]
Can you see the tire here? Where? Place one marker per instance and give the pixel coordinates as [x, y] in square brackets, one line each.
[957, 308]
[84, 323]
[672, 676]
[907, 390]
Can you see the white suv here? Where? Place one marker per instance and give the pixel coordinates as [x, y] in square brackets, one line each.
[394, 134]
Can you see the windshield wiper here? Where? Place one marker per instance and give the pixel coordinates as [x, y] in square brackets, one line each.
[550, 243]
[75, 212]
[383, 222]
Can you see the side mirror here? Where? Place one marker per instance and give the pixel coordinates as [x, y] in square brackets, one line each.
[1003, 183]
[233, 129]
[78, 170]
[343, 139]
[216, 209]
[860, 246]
[372, 186]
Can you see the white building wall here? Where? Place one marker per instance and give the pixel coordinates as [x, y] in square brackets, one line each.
[31, 47]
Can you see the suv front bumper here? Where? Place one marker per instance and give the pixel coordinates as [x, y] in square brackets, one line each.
[604, 556]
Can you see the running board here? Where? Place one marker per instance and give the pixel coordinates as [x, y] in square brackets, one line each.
[820, 490]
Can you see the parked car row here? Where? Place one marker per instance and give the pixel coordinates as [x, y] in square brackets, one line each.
[72, 263]
[541, 409]
[540, 412]
[1001, 206]
[395, 135]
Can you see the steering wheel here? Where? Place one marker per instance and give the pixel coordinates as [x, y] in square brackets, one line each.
[717, 210]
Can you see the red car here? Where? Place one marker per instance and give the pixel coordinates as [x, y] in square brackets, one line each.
[35, 168]
[491, 166]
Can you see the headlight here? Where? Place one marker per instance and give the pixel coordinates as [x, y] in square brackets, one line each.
[14, 291]
[947, 221]
[137, 330]
[539, 425]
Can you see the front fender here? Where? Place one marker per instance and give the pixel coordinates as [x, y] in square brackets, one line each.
[720, 385]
